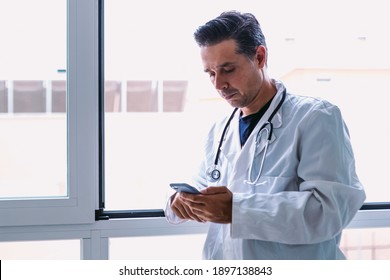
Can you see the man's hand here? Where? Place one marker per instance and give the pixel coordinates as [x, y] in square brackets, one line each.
[181, 208]
[214, 204]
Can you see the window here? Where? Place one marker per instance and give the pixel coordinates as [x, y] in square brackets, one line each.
[366, 244]
[167, 104]
[47, 78]
[157, 248]
[32, 94]
[149, 144]
[40, 250]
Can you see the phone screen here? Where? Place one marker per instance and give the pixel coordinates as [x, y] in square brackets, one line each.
[184, 187]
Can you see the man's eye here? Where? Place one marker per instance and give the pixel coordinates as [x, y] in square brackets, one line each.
[230, 70]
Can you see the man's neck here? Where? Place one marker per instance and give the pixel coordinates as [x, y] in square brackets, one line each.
[266, 93]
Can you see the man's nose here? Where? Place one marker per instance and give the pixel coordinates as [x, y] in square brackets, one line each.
[220, 83]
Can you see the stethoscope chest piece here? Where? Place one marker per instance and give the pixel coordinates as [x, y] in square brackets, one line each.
[213, 174]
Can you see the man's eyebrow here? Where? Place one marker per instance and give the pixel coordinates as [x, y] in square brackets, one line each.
[226, 64]
[223, 65]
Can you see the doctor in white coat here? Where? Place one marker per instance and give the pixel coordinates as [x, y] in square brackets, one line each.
[278, 179]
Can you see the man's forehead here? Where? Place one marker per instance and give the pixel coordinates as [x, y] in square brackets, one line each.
[225, 46]
[219, 55]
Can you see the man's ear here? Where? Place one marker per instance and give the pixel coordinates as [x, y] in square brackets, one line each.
[261, 56]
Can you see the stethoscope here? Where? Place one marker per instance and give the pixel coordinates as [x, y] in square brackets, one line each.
[214, 174]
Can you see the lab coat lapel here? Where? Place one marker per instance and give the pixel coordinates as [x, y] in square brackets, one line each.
[232, 153]
[232, 146]
[241, 158]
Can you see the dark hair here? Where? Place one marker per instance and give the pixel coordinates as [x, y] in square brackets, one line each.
[241, 27]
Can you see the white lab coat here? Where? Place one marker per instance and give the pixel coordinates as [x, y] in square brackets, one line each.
[307, 193]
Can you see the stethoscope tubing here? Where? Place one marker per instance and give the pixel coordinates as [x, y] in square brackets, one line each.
[223, 135]
[215, 173]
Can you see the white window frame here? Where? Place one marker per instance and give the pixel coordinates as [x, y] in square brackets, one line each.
[82, 131]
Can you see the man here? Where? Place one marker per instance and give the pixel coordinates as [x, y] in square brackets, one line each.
[278, 178]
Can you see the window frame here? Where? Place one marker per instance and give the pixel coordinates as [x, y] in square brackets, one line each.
[82, 132]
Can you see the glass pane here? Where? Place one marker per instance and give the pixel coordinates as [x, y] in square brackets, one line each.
[366, 244]
[165, 103]
[175, 247]
[33, 98]
[40, 250]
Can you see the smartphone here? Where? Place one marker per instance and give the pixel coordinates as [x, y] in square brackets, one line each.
[183, 187]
